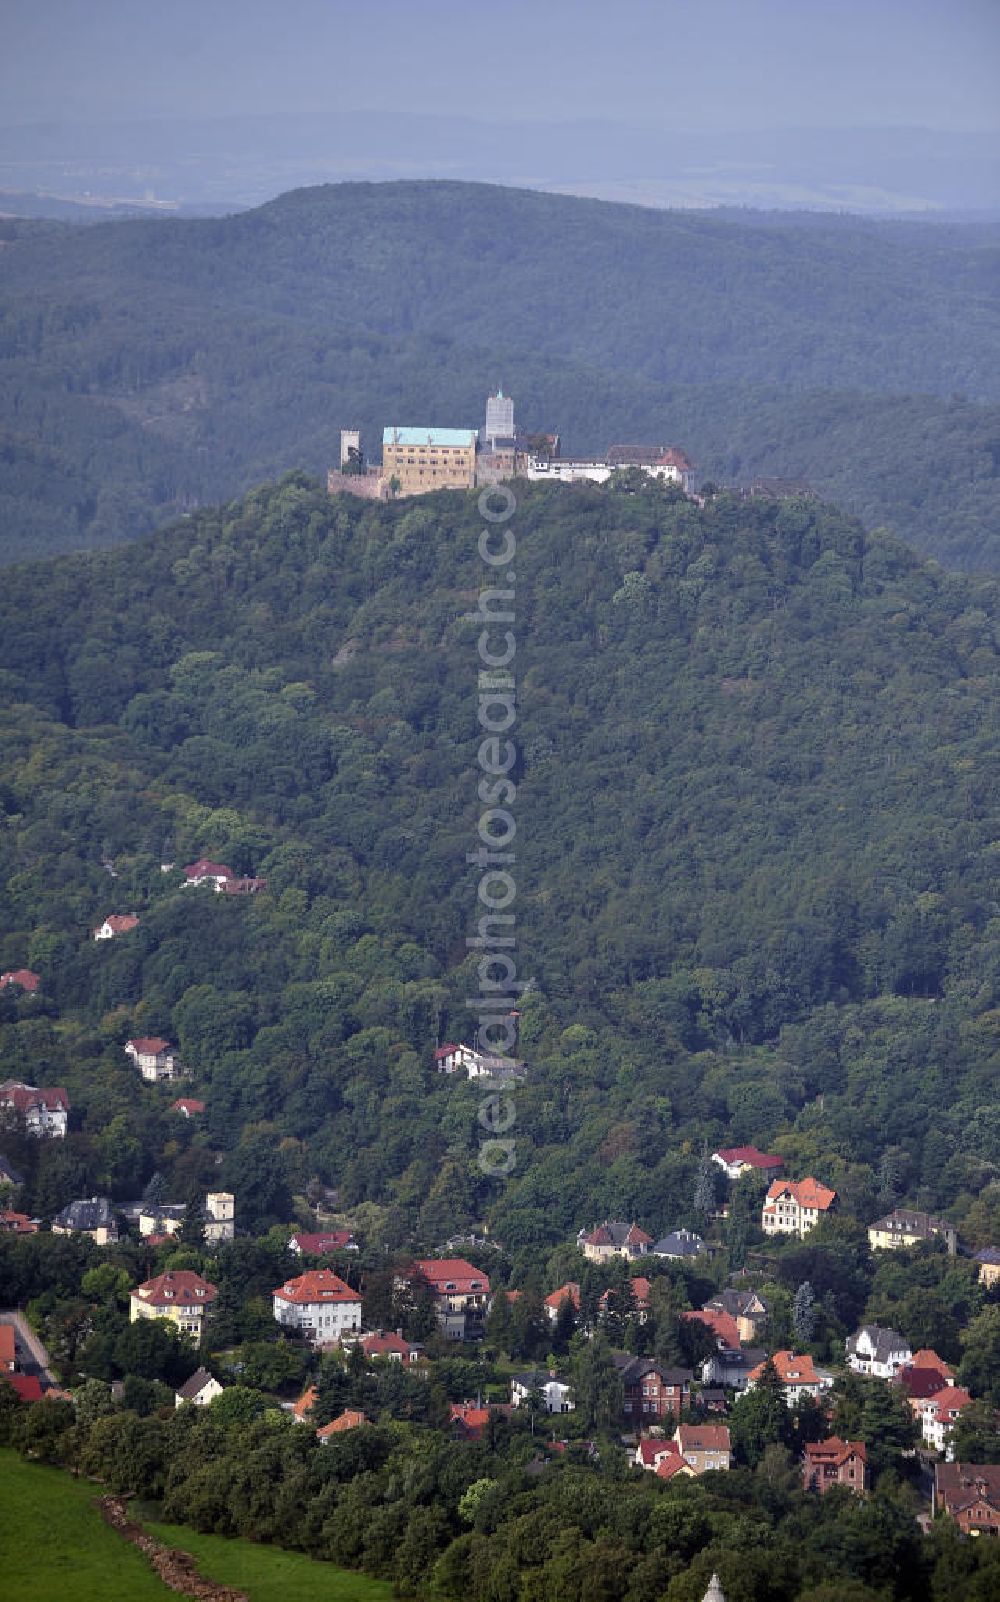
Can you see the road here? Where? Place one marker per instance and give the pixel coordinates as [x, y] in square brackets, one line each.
[32, 1356]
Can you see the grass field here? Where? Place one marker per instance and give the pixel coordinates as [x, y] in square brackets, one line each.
[266, 1573]
[54, 1546]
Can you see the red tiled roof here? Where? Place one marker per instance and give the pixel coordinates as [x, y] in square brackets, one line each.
[20, 976]
[148, 1045]
[331, 1240]
[120, 922]
[204, 869]
[444, 1051]
[305, 1403]
[570, 1292]
[319, 1285]
[919, 1383]
[8, 1351]
[452, 1273]
[177, 1285]
[640, 1290]
[17, 1224]
[948, 1401]
[720, 1323]
[381, 1345]
[703, 1438]
[472, 1419]
[187, 1104]
[807, 1192]
[835, 1451]
[349, 1419]
[750, 1155]
[27, 1386]
[23, 1097]
[673, 1464]
[928, 1358]
[650, 1448]
[793, 1368]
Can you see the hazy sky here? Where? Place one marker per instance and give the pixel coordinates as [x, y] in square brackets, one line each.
[697, 63]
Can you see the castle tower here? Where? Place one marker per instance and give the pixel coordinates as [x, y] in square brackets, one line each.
[499, 418]
[350, 448]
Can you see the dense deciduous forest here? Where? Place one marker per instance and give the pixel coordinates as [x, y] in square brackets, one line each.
[757, 804]
[149, 366]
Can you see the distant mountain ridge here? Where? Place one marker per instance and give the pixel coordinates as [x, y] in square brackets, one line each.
[148, 366]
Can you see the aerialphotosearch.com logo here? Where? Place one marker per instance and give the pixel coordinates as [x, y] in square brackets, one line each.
[496, 1007]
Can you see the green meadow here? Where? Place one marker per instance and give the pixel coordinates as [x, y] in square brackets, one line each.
[267, 1573]
[55, 1546]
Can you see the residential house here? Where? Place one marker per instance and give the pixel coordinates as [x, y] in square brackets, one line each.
[794, 1207]
[392, 1347]
[320, 1305]
[476, 1064]
[989, 1266]
[877, 1351]
[155, 1058]
[117, 924]
[664, 462]
[674, 1464]
[835, 1462]
[651, 1450]
[927, 1357]
[8, 1349]
[199, 1390]
[732, 1367]
[17, 1223]
[44, 1109]
[722, 1325]
[570, 1292]
[320, 1243]
[220, 1216]
[349, 1419]
[705, 1446]
[920, 1383]
[27, 1386]
[652, 1391]
[179, 1295]
[938, 1415]
[206, 872]
[187, 1106]
[797, 1374]
[468, 1420]
[970, 1494]
[94, 1217]
[553, 1392]
[303, 1407]
[247, 886]
[683, 1245]
[158, 1220]
[640, 1293]
[20, 979]
[735, 1161]
[461, 1294]
[747, 1307]
[904, 1227]
[613, 1239]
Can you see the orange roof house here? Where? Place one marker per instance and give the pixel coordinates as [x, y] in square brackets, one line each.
[835, 1462]
[722, 1325]
[23, 978]
[570, 1292]
[305, 1405]
[794, 1207]
[797, 1373]
[349, 1419]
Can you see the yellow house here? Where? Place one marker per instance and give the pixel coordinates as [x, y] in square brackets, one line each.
[905, 1227]
[179, 1295]
[989, 1266]
[419, 460]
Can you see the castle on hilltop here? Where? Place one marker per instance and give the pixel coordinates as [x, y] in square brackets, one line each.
[416, 461]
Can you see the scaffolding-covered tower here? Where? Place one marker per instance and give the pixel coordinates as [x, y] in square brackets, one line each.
[499, 419]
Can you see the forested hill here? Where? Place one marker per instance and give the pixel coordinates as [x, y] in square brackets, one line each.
[148, 366]
[757, 807]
